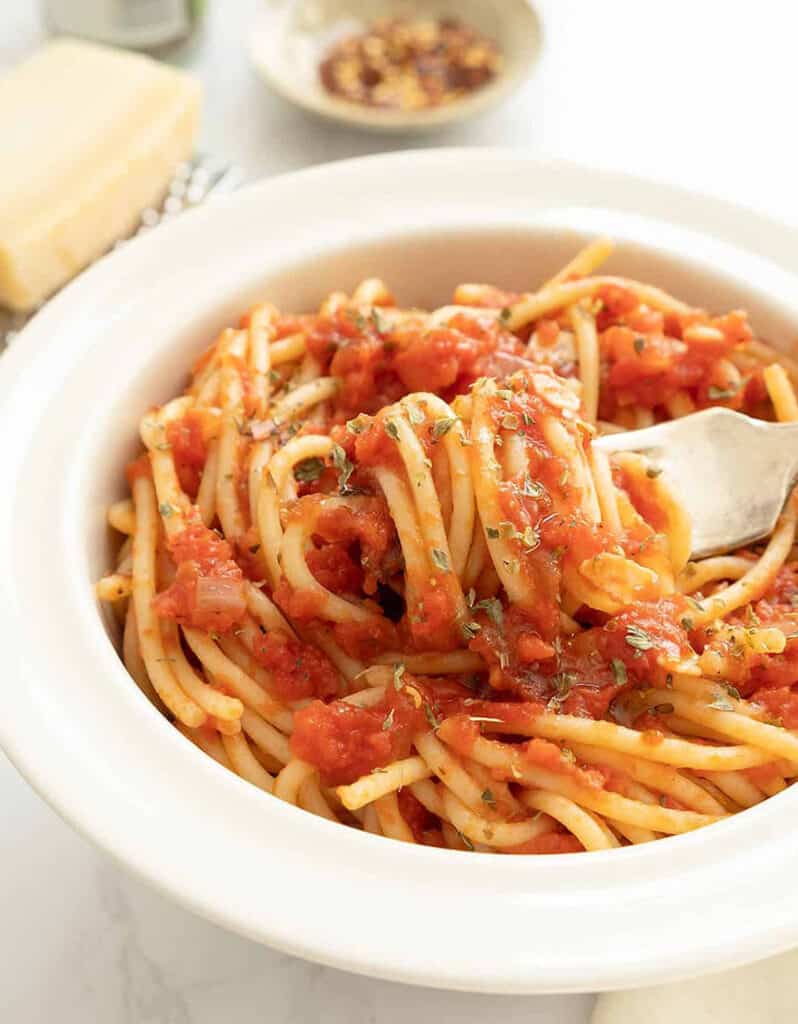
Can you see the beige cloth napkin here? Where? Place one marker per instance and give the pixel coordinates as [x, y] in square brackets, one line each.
[762, 993]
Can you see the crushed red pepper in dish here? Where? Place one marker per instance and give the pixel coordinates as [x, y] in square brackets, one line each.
[410, 64]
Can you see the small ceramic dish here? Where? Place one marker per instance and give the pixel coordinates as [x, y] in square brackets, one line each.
[290, 38]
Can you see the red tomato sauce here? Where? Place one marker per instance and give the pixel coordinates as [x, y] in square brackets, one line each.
[431, 620]
[460, 730]
[352, 543]
[345, 742]
[782, 595]
[769, 679]
[771, 671]
[540, 561]
[647, 357]
[641, 634]
[298, 670]
[582, 674]
[377, 363]
[353, 349]
[367, 525]
[208, 590]
[365, 640]
[762, 774]
[780, 702]
[549, 756]
[449, 358]
[549, 842]
[189, 450]
[302, 605]
[421, 822]
[137, 468]
[247, 555]
[335, 569]
[375, 447]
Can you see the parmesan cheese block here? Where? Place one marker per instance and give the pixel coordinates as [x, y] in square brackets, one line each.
[91, 137]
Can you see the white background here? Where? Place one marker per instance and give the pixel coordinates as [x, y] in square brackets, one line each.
[699, 92]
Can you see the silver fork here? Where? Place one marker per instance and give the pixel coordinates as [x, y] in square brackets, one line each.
[732, 473]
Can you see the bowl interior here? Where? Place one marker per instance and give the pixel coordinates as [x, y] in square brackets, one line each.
[422, 269]
[290, 40]
[120, 341]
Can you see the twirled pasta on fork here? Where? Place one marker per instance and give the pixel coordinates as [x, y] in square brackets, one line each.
[374, 565]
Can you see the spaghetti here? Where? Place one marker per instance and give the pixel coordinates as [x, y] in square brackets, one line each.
[374, 566]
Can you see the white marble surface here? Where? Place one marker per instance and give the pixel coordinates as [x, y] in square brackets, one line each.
[82, 943]
[692, 91]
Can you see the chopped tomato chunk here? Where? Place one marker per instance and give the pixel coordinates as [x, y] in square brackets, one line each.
[208, 589]
[189, 450]
[345, 742]
[298, 670]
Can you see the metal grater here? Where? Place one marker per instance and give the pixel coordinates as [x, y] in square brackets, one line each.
[192, 183]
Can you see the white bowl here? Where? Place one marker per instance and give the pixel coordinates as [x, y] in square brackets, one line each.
[119, 339]
[291, 37]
